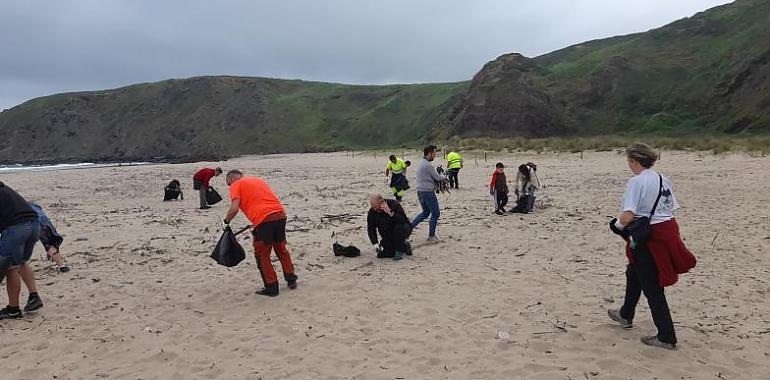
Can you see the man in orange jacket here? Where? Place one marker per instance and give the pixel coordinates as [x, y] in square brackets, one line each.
[253, 196]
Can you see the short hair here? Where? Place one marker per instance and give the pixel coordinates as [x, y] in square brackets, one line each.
[499, 165]
[642, 153]
[392, 157]
[232, 174]
[428, 149]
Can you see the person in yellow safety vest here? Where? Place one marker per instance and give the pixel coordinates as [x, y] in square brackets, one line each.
[397, 170]
[454, 164]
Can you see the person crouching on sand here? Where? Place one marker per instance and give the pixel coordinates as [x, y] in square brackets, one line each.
[655, 251]
[387, 217]
[253, 196]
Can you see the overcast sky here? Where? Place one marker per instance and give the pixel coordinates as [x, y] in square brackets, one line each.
[51, 46]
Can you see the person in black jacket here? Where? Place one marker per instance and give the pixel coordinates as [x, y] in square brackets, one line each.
[19, 231]
[387, 217]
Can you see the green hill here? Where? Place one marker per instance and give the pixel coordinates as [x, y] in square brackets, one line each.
[208, 117]
[708, 75]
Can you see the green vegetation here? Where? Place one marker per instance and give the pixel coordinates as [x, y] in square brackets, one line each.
[701, 83]
[716, 145]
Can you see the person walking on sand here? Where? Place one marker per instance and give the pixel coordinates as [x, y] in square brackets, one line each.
[19, 230]
[425, 183]
[50, 238]
[396, 168]
[454, 162]
[201, 183]
[655, 251]
[498, 187]
[261, 206]
[387, 217]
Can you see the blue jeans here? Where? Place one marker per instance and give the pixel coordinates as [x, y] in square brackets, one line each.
[18, 240]
[429, 204]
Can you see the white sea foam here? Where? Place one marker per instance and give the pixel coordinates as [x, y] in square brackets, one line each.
[82, 165]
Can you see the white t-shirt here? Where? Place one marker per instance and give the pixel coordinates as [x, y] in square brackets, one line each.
[641, 192]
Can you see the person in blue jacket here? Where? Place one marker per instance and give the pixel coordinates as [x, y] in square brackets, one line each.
[50, 238]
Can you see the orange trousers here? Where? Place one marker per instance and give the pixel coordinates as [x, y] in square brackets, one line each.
[262, 254]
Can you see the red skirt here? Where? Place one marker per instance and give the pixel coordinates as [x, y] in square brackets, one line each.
[671, 256]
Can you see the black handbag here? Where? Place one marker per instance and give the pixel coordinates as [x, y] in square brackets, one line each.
[640, 229]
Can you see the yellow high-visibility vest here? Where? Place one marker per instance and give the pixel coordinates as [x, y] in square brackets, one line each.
[454, 161]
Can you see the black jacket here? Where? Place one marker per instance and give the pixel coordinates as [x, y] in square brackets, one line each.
[13, 208]
[383, 223]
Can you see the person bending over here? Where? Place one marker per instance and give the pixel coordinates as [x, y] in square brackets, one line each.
[50, 238]
[201, 183]
[253, 196]
[19, 230]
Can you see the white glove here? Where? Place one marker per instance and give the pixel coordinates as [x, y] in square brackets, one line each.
[376, 248]
[618, 225]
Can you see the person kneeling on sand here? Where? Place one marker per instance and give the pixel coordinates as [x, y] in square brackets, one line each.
[19, 230]
[387, 217]
[253, 196]
[50, 238]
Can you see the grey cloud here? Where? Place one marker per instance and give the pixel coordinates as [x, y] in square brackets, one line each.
[55, 46]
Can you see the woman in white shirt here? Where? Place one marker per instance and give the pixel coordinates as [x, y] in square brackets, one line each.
[655, 262]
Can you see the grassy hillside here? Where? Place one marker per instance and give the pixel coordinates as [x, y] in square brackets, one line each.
[708, 74]
[218, 116]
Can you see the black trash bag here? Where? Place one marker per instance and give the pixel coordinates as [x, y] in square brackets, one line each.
[524, 204]
[212, 196]
[5, 263]
[228, 251]
[349, 251]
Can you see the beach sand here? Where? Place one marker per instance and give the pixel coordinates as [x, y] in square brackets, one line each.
[144, 300]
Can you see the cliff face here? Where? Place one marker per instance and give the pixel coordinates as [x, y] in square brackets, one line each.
[506, 99]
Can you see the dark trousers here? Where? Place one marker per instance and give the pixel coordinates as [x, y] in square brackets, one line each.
[452, 175]
[395, 240]
[502, 199]
[201, 191]
[642, 277]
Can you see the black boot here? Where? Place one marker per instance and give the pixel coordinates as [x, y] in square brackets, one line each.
[291, 280]
[269, 290]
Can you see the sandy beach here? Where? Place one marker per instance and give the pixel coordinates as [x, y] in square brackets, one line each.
[500, 297]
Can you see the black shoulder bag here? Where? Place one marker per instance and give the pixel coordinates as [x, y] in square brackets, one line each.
[640, 229]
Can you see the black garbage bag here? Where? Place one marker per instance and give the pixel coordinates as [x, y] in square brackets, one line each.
[212, 196]
[228, 251]
[349, 251]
